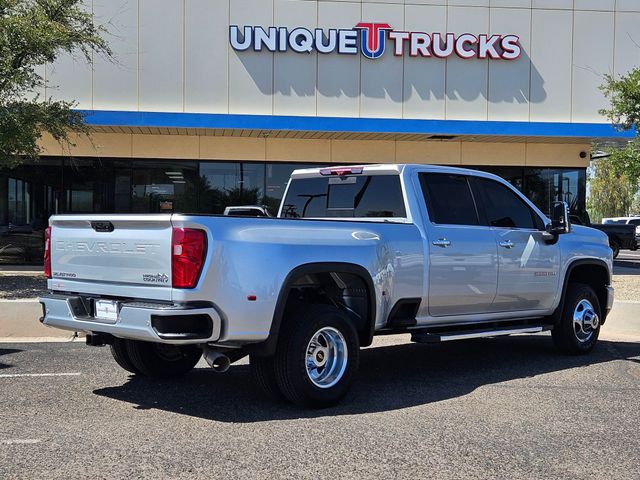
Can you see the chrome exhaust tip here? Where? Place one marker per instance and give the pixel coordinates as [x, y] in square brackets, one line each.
[217, 361]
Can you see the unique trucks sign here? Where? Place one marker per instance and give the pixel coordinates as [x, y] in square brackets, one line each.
[371, 39]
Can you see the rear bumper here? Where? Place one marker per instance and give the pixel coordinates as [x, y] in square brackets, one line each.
[195, 322]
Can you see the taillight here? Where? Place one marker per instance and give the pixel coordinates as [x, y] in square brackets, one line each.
[188, 250]
[47, 252]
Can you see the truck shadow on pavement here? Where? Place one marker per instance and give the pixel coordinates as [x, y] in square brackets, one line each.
[626, 267]
[391, 377]
[7, 351]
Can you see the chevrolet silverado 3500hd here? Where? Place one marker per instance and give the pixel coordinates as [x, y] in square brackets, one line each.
[440, 253]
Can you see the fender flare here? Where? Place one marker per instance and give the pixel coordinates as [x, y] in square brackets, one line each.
[268, 347]
[565, 282]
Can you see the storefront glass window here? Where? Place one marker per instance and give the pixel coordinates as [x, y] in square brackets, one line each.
[543, 186]
[220, 186]
[513, 175]
[164, 187]
[28, 196]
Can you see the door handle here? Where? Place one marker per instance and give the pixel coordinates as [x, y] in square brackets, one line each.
[507, 244]
[441, 242]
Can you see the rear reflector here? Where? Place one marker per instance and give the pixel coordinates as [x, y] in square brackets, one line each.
[341, 171]
[47, 252]
[188, 251]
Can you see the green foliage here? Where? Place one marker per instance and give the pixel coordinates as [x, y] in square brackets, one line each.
[610, 194]
[624, 95]
[33, 33]
[614, 186]
[626, 160]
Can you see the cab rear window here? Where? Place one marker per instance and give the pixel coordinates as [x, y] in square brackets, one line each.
[356, 196]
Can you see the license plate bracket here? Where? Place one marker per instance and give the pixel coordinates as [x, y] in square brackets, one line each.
[106, 310]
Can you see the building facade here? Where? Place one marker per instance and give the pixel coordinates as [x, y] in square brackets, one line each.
[210, 103]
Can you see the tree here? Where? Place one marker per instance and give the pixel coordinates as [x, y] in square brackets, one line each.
[625, 160]
[610, 194]
[624, 95]
[33, 33]
[615, 184]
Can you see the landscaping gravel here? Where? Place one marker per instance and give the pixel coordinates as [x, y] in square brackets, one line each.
[14, 286]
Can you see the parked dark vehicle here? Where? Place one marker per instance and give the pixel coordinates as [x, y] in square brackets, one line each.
[621, 236]
[21, 244]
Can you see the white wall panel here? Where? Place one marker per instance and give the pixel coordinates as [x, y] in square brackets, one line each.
[627, 51]
[467, 79]
[602, 5]
[426, 2]
[115, 82]
[511, 3]
[70, 76]
[251, 73]
[553, 4]
[509, 79]
[338, 75]
[206, 50]
[295, 74]
[469, 3]
[592, 59]
[628, 5]
[381, 81]
[424, 78]
[160, 81]
[551, 56]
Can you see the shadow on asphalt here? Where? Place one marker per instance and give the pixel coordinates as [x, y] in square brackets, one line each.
[7, 351]
[391, 377]
[631, 267]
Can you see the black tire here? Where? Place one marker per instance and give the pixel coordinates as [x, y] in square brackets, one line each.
[121, 356]
[569, 337]
[162, 361]
[291, 356]
[264, 375]
[615, 246]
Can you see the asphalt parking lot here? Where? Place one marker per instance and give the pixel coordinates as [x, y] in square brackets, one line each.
[628, 262]
[491, 408]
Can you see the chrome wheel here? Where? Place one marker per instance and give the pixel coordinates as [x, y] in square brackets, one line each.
[585, 321]
[326, 357]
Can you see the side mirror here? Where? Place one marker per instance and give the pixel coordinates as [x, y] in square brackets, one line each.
[560, 222]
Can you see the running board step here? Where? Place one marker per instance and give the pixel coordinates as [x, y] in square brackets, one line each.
[432, 337]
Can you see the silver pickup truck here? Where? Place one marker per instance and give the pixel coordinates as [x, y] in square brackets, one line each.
[440, 253]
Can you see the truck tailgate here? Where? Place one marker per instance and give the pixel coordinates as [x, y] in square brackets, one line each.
[126, 251]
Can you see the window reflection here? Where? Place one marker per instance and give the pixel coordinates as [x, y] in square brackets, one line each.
[164, 187]
[543, 186]
[230, 184]
[28, 196]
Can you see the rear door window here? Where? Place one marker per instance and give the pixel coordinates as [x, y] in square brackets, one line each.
[358, 196]
[449, 199]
